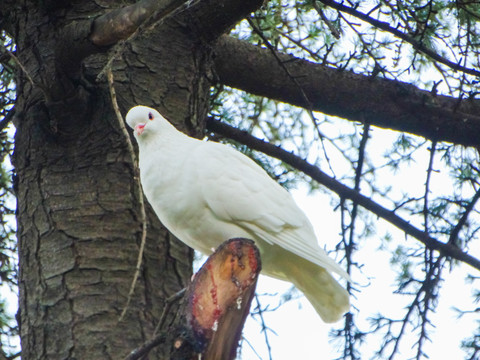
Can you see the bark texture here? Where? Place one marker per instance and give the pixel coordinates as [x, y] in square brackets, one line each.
[78, 216]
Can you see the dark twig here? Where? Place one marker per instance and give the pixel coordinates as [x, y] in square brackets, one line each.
[166, 309]
[309, 105]
[251, 347]
[342, 190]
[147, 347]
[141, 201]
[468, 209]
[7, 119]
[431, 279]
[418, 45]
[27, 74]
[415, 304]
[427, 185]
[358, 177]
[349, 244]
[335, 32]
[156, 340]
[264, 326]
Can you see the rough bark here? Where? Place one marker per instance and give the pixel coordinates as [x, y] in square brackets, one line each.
[78, 222]
[380, 102]
[78, 233]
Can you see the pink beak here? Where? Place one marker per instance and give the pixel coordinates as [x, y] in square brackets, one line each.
[139, 128]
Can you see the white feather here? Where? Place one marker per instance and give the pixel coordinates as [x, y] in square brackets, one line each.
[206, 193]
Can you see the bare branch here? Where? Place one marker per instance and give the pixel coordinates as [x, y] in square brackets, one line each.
[418, 45]
[335, 32]
[7, 119]
[431, 280]
[259, 311]
[309, 106]
[141, 201]
[143, 350]
[26, 73]
[146, 347]
[463, 220]
[166, 309]
[342, 190]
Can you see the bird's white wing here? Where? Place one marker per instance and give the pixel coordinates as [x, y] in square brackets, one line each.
[237, 190]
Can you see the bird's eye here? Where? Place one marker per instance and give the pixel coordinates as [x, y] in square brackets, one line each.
[150, 116]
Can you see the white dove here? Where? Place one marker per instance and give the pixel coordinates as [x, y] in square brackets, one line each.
[206, 193]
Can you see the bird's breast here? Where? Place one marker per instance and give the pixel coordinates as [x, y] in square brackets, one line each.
[175, 194]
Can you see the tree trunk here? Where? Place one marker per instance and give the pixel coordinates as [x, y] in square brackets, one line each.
[78, 239]
[79, 231]
[78, 215]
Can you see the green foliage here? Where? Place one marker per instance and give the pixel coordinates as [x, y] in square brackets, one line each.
[431, 185]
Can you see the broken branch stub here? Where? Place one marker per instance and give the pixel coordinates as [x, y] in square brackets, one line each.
[218, 300]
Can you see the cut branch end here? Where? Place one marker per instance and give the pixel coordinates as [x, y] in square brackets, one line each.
[219, 298]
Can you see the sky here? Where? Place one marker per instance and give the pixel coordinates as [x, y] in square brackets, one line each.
[298, 331]
[300, 334]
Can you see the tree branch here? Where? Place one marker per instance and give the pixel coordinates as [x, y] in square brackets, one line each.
[139, 189]
[146, 347]
[84, 38]
[96, 36]
[7, 119]
[341, 190]
[216, 305]
[463, 220]
[384, 103]
[417, 45]
[119, 24]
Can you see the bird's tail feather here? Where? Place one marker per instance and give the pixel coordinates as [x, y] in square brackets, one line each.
[327, 296]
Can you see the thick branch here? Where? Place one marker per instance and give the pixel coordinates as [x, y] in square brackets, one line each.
[211, 23]
[146, 348]
[208, 18]
[121, 23]
[202, 20]
[218, 301]
[84, 38]
[385, 103]
[342, 190]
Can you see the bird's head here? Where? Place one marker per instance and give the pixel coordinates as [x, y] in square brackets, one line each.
[143, 120]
